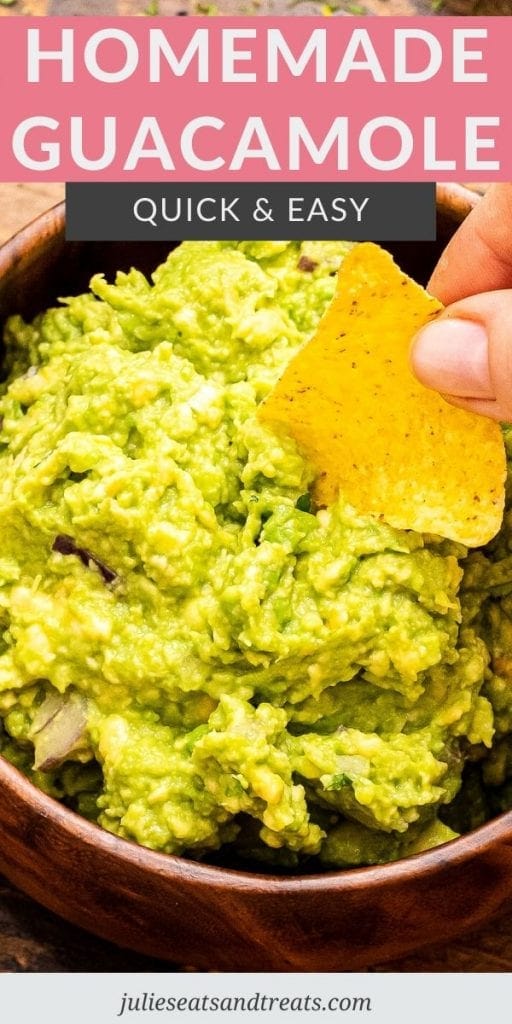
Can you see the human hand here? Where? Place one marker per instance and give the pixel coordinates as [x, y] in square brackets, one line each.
[466, 353]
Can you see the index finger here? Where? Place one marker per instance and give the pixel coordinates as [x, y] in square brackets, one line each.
[479, 256]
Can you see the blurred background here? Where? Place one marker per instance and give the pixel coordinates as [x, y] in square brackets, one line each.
[331, 7]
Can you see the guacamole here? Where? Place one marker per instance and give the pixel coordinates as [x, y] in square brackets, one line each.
[192, 654]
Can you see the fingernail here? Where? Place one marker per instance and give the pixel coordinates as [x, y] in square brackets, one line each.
[452, 356]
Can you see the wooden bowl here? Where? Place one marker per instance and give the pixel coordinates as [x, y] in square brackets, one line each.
[216, 917]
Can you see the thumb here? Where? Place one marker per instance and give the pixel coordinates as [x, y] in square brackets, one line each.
[466, 354]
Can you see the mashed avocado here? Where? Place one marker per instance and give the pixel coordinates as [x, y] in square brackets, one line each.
[190, 652]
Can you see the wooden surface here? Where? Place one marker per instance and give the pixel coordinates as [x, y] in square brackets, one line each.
[33, 939]
[19, 204]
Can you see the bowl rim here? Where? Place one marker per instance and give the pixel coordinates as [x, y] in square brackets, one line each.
[53, 219]
[454, 853]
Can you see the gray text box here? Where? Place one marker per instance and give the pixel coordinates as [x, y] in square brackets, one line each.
[131, 212]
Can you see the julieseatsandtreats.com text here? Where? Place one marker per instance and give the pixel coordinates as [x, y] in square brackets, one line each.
[258, 1002]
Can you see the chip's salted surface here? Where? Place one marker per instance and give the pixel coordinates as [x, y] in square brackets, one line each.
[394, 448]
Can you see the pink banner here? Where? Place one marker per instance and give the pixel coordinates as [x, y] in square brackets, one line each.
[255, 99]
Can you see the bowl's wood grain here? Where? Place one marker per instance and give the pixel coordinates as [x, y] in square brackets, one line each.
[215, 917]
[226, 920]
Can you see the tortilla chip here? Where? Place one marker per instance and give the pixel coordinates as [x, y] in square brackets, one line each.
[393, 448]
